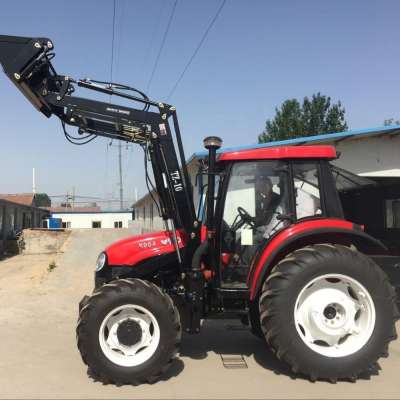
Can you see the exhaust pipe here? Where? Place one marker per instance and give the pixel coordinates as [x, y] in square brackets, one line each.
[212, 144]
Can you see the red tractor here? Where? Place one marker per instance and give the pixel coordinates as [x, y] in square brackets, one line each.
[269, 246]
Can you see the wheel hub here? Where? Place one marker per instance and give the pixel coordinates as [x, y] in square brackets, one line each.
[330, 312]
[129, 332]
[129, 335]
[334, 315]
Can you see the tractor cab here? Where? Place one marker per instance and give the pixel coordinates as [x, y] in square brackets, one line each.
[261, 193]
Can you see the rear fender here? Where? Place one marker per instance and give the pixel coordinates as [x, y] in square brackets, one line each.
[305, 233]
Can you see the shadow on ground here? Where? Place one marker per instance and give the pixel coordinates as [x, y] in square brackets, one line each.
[230, 339]
[174, 370]
[234, 339]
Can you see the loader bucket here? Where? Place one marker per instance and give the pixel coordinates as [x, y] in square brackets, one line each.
[25, 61]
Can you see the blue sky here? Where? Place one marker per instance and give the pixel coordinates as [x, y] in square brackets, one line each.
[258, 54]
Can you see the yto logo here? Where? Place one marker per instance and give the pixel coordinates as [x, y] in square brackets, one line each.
[147, 244]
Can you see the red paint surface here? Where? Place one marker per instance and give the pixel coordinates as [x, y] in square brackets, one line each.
[273, 153]
[132, 250]
[289, 233]
[203, 233]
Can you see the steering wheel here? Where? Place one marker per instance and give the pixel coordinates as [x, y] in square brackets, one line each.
[246, 217]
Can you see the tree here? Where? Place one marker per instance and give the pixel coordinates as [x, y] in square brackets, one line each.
[42, 200]
[313, 117]
[391, 121]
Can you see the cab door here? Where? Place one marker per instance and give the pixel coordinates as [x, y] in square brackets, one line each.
[254, 204]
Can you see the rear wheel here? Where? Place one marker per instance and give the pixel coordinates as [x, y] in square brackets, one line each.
[328, 311]
[128, 332]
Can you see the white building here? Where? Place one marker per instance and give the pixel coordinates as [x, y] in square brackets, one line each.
[93, 219]
[372, 153]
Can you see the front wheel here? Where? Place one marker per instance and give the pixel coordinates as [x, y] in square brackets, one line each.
[128, 332]
[328, 311]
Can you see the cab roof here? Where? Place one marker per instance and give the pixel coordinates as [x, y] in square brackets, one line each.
[322, 139]
[280, 152]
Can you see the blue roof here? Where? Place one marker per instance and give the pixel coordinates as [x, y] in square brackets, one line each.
[327, 137]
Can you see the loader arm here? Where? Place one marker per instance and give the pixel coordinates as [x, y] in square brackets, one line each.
[27, 63]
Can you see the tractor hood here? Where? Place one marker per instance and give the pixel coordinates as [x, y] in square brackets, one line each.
[133, 250]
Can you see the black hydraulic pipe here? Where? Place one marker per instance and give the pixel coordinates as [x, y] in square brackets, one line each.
[200, 251]
[107, 90]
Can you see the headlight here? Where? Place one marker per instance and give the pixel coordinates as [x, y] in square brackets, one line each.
[101, 261]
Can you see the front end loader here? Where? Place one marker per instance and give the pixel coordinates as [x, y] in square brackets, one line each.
[269, 244]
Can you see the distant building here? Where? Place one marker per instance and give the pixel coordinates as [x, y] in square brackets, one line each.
[91, 218]
[18, 213]
[28, 199]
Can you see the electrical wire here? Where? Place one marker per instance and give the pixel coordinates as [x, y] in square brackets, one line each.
[112, 43]
[145, 59]
[120, 35]
[161, 46]
[203, 38]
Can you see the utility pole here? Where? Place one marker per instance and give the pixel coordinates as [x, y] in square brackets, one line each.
[121, 188]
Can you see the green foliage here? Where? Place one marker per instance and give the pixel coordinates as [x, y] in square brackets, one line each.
[42, 200]
[313, 117]
[391, 121]
[52, 266]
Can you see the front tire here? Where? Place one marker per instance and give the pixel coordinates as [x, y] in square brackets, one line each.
[328, 311]
[128, 332]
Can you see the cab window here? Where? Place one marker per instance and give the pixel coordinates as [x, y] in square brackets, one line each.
[307, 189]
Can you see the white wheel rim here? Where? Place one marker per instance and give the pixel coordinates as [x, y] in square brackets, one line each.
[334, 315]
[138, 353]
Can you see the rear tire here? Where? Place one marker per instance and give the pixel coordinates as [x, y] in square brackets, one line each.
[128, 332]
[328, 312]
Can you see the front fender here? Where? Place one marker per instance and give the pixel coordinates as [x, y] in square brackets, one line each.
[298, 235]
[139, 256]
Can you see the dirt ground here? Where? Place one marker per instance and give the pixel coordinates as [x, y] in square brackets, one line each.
[39, 357]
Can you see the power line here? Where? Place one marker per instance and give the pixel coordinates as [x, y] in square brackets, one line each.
[153, 36]
[112, 45]
[120, 35]
[162, 45]
[197, 49]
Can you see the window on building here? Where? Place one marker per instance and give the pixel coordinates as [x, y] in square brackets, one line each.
[12, 221]
[118, 224]
[96, 224]
[144, 213]
[393, 213]
[66, 224]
